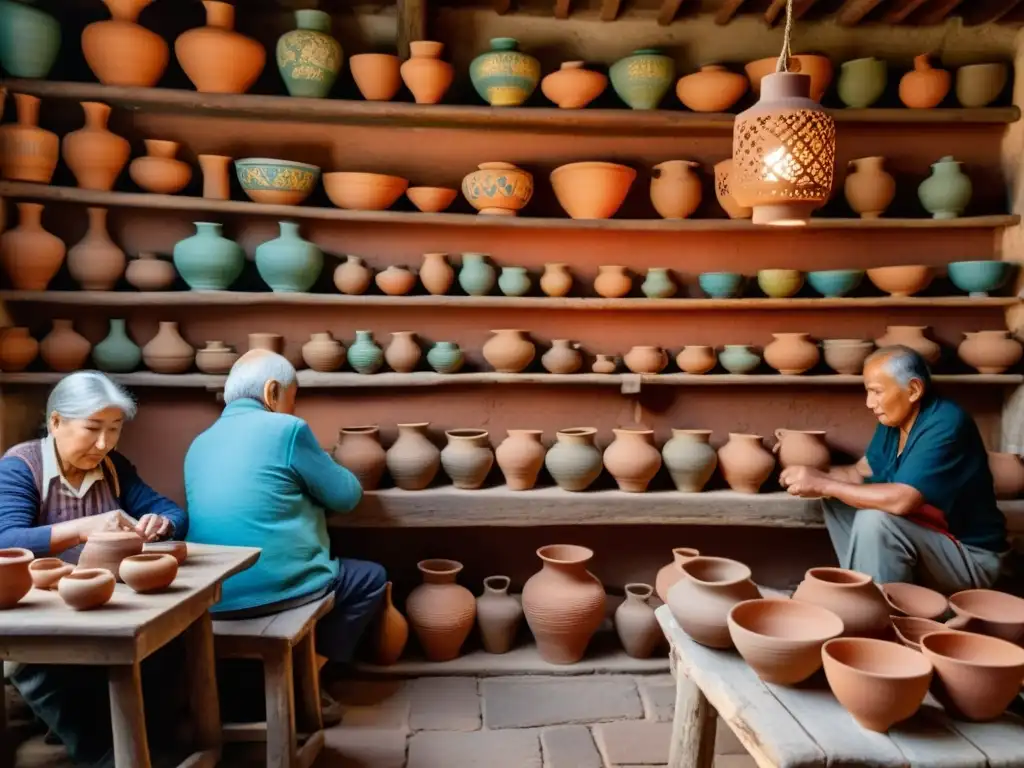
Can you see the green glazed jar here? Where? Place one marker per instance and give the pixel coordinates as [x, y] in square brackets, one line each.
[658, 284]
[739, 358]
[364, 355]
[207, 261]
[476, 277]
[445, 357]
[117, 353]
[514, 281]
[289, 264]
[308, 58]
[862, 82]
[504, 77]
[946, 193]
[643, 79]
[29, 40]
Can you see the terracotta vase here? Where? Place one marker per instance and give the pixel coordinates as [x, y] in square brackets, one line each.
[563, 358]
[976, 677]
[216, 178]
[413, 460]
[395, 281]
[509, 351]
[392, 632]
[632, 459]
[403, 353]
[159, 172]
[924, 87]
[498, 188]
[323, 352]
[696, 359]
[29, 152]
[635, 623]
[176, 549]
[1007, 468]
[31, 256]
[564, 603]
[713, 89]
[15, 579]
[107, 549]
[149, 572]
[646, 360]
[272, 342]
[911, 336]
[744, 463]
[605, 364]
[722, 192]
[352, 276]
[377, 75]
[676, 189]
[847, 356]
[800, 448]
[702, 598]
[572, 86]
[499, 615]
[869, 189]
[852, 596]
[63, 349]
[990, 351]
[95, 155]
[121, 52]
[467, 458]
[592, 190]
[436, 273]
[168, 352]
[17, 349]
[45, 572]
[792, 353]
[150, 273]
[556, 280]
[612, 282]
[574, 462]
[441, 612]
[215, 57]
[669, 574]
[86, 588]
[690, 459]
[95, 262]
[426, 76]
[216, 358]
[359, 450]
[520, 458]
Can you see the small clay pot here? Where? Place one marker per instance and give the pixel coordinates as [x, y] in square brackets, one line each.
[413, 460]
[572, 86]
[86, 588]
[632, 459]
[176, 549]
[323, 352]
[395, 281]
[636, 624]
[976, 676]
[106, 550]
[360, 452]
[47, 571]
[792, 353]
[744, 462]
[646, 360]
[592, 190]
[467, 458]
[847, 356]
[15, 578]
[149, 572]
[216, 358]
[403, 353]
[352, 276]
[431, 199]
[563, 358]
[924, 86]
[605, 364]
[574, 462]
[520, 458]
[612, 282]
[150, 273]
[556, 280]
[377, 75]
[712, 89]
[499, 615]
[509, 351]
[800, 448]
[158, 171]
[915, 601]
[436, 273]
[696, 359]
[18, 350]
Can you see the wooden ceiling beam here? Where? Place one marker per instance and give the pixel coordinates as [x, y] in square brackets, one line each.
[776, 10]
[562, 9]
[667, 12]
[936, 13]
[898, 10]
[412, 24]
[501, 7]
[988, 11]
[610, 9]
[853, 11]
[726, 11]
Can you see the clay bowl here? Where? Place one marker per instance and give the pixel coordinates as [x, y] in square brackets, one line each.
[431, 199]
[86, 588]
[276, 182]
[910, 629]
[878, 682]
[47, 571]
[976, 677]
[364, 191]
[149, 572]
[592, 190]
[904, 280]
[176, 549]
[819, 68]
[781, 639]
[991, 613]
[912, 600]
[15, 580]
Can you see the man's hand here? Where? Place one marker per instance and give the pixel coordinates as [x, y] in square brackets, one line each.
[805, 482]
[153, 527]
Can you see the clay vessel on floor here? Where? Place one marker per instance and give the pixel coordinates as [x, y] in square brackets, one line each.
[910, 629]
[413, 460]
[168, 352]
[676, 189]
[94, 154]
[911, 336]
[632, 459]
[574, 462]
[176, 549]
[991, 613]
[425, 74]
[215, 57]
[499, 614]
[696, 359]
[323, 352]
[403, 353]
[744, 462]
[352, 276]
[31, 256]
[440, 611]
[852, 596]
[392, 632]
[95, 262]
[86, 588]
[801, 448]
[635, 623]
[669, 574]
[29, 152]
[107, 549]
[702, 599]
[436, 273]
[990, 351]
[119, 51]
[509, 351]
[467, 458]
[914, 600]
[44, 572]
[149, 572]
[63, 349]
[148, 272]
[573, 86]
[924, 86]
[1007, 473]
[976, 677]
[359, 450]
[869, 189]
[17, 349]
[520, 458]
[15, 579]
[792, 353]
[564, 357]
[690, 459]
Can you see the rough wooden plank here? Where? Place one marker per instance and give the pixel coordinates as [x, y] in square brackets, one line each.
[282, 743]
[201, 674]
[287, 625]
[308, 714]
[667, 12]
[128, 719]
[727, 10]
[928, 739]
[1000, 740]
[693, 727]
[610, 9]
[936, 13]
[982, 12]
[775, 10]
[412, 24]
[853, 11]
[562, 9]
[898, 10]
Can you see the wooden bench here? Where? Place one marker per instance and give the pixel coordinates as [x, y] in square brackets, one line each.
[285, 643]
[805, 727]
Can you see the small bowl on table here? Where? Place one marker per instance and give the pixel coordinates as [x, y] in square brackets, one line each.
[901, 281]
[149, 572]
[276, 182]
[431, 199]
[364, 191]
[47, 571]
[979, 278]
[976, 677]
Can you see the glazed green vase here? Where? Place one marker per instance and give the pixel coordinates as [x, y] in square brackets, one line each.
[29, 40]
[445, 357]
[643, 78]
[207, 261]
[289, 264]
[476, 277]
[514, 281]
[117, 353]
[364, 355]
[504, 76]
[658, 284]
[739, 358]
[308, 58]
[862, 82]
[946, 193]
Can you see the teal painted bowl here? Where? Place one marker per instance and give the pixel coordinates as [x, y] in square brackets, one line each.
[835, 282]
[721, 285]
[979, 277]
[276, 182]
[643, 78]
[503, 76]
[29, 40]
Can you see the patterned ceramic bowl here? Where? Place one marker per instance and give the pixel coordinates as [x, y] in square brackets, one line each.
[277, 182]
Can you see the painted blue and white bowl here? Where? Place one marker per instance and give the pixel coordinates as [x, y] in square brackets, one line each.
[276, 182]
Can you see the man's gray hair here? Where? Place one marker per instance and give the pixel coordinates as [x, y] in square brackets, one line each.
[249, 376]
[904, 365]
[81, 394]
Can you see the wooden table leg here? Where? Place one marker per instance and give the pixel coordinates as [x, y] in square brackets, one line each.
[693, 727]
[204, 704]
[280, 693]
[309, 716]
[6, 743]
[128, 717]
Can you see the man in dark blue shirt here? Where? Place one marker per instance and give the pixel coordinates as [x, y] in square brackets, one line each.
[920, 506]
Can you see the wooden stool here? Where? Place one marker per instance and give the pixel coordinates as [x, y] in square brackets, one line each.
[272, 639]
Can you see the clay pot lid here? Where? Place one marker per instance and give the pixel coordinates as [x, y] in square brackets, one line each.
[910, 629]
[838, 577]
[916, 601]
[786, 620]
[565, 553]
[720, 571]
[15, 556]
[880, 659]
[988, 605]
[972, 650]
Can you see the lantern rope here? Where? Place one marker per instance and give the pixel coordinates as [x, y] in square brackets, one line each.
[783, 63]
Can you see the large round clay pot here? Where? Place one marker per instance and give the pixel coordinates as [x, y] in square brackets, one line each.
[744, 462]
[573, 86]
[441, 612]
[413, 460]
[425, 74]
[646, 360]
[592, 190]
[636, 624]
[168, 352]
[15, 579]
[802, 448]
[377, 75]
[990, 351]
[792, 353]
[520, 458]
[564, 357]
[499, 614]
[564, 603]
[216, 358]
[403, 353]
[63, 349]
[725, 199]
[702, 598]
[207, 260]
[468, 457]
[149, 572]
[669, 574]
[676, 190]
[498, 188]
[1007, 469]
[690, 459]
[504, 76]
[574, 462]
[95, 155]
[852, 596]
[847, 356]
[31, 256]
[17, 349]
[359, 450]
[712, 89]
[323, 352]
[869, 189]
[215, 57]
[95, 262]
[45, 572]
[818, 68]
[86, 588]
[976, 677]
[911, 336]
[121, 52]
[392, 632]
[29, 40]
[436, 273]
[29, 152]
[632, 459]
[697, 359]
[924, 86]
[978, 85]
[509, 351]
[158, 171]
[107, 549]
[308, 58]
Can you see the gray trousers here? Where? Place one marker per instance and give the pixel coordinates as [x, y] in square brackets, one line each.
[892, 548]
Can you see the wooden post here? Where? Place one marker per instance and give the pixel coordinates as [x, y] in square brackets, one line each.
[204, 704]
[412, 24]
[128, 718]
[308, 715]
[693, 727]
[280, 692]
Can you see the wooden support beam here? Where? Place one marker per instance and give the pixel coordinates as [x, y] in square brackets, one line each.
[562, 9]
[668, 11]
[988, 11]
[898, 10]
[412, 24]
[610, 9]
[777, 9]
[936, 13]
[852, 11]
[727, 10]
[501, 7]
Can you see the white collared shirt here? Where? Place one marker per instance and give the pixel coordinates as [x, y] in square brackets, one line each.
[51, 470]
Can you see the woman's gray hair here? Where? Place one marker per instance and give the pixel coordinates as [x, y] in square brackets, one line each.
[904, 365]
[248, 377]
[81, 394]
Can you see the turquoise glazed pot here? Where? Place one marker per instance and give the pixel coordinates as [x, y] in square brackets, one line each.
[979, 277]
[835, 282]
[117, 353]
[504, 77]
[445, 357]
[658, 284]
[207, 261]
[364, 355]
[862, 82]
[946, 193]
[476, 277]
[29, 40]
[308, 58]
[643, 79]
[276, 182]
[739, 358]
[289, 264]
[721, 285]
[514, 281]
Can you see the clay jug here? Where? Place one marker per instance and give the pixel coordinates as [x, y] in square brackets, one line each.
[632, 459]
[120, 52]
[467, 458]
[392, 632]
[946, 193]
[377, 75]
[308, 58]
[17, 349]
[445, 357]
[612, 282]
[477, 276]
[323, 352]
[499, 614]
[509, 351]
[359, 450]
[564, 603]
[722, 192]
[215, 57]
[556, 280]
[403, 353]
[15, 579]
[31, 256]
[635, 623]
[216, 358]
[395, 281]
[696, 359]
[702, 599]
[425, 75]
[851, 596]
[436, 273]
[117, 353]
[990, 351]
[911, 336]
[216, 181]
[669, 574]
[520, 457]
[869, 189]
[364, 355]
[158, 171]
[924, 87]
[413, 460]
[289, 263]
[646, 360]
[676, 189]
[574, 462]
[690, 459]
[441, 612]
[95, 155]
[63, 349]
[798, 448]
[352, 276]
[563, 358]
[744, 462]
[168, 352]
[29, 152]
[106, 550]
[1007, 468]
[573, 86]
[94, 262]
[792, 353]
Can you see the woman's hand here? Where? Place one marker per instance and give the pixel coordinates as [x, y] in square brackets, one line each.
[153, 527]
[114, 520]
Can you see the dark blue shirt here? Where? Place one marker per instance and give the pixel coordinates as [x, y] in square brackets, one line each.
[946, 461]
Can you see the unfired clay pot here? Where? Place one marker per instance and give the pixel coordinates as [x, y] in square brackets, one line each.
[702, 599]
[95, 262]
[17, 349]
[646, 360]
[509, 351]
[847, 356]
[176, 549]
[158, 171]
[976, 677]
[436, 273]
[852, 596]
[564, 603]
[395, 281]
[669, 574]
[150, 273]
[632, 459]
[499, 614]
[744, 462]
[725, 199]
[121, 52]
[563, 358]
[377, 75]
[574, 462]
[215, 57]
[520, 458]
[914, 600]
[392, 632]
[441, 612]
[1007, 472]
[556, 280]
[676, 189]
[690, 459]
[31, 256]
[425, 74]
[869, 189]
[696, 359]
[403, 353]
[44, 572]
[924, 86]
[149, 572]
[605, 364]
[468, 457]
[572, 86]
[413, 460]
[29, 152]
[910, 629]
[635, 623]
[352, 276]
[359, 450]
[990, 351]
[911, 336]
[86, 588]
[801, 448]
[15, 579]
[168, 352]
[792, 353]
[612, 282]
[63, 349]
[991, 613]
[95, 155]
[216, 179]
[216, 358]
[323, 352]
[106, 549]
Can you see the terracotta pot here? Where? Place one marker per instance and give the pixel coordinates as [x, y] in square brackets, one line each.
[556, 280]
[903, 280]
[1007, 468]
[403, 353]
[632, 459]
[646, 360]
[216, 358]
[392, 632]
[781, 640]
[413, 460]
[86, 588]
[431, 199]
[436, 273]
[847, 356]
[377, 75]
[564, 603]
[744, 463]
[95, 262]
[63, 349]
[869, 189]
[792, 353]
[572, 86]
[467, 458]
[725, 199]
[592, 190]
[499, 615]
[990, 351]
[168, 352]
[676, 189]
[29, 152]
[635, 623]
[563, 358]
[44, 572]
[395, 281]
[15, 579]
[914, 600]
[426, 76]
[702, 598]
[911, 336]
[176, 549]
[520, 458]
[818, 68]
[159, 172]
[612, 282]
[696, 359]
[605, 364]
[121, 52]
[17, 349]
[149, 572]
[690, 459]
[499, 189]
[712, 89]
[910, 629]
[976, 677]
[800, 448]
[509, 351]
[669, 574]
[95, 155]
[878, 682]
[441, 612]
[216, 178]
[352, 276]
[852, 596]
[272, 342]
[106, 550]
[150, 273]
[323, 352]
[31, 256]
[574, 462]
[991, 613]
[359, 450]
[215, 57]
[924, 87]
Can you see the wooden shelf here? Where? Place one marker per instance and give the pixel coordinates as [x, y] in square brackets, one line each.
[537, 119]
